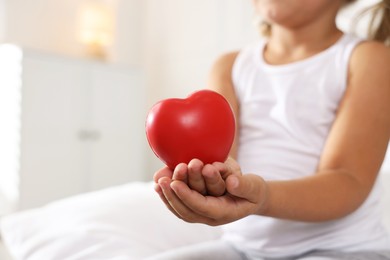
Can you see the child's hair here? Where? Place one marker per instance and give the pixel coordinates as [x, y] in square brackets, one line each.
[379, 27]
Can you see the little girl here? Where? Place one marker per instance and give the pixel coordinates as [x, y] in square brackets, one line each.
[312, 108]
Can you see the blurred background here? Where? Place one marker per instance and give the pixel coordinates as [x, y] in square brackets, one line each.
[77, 78]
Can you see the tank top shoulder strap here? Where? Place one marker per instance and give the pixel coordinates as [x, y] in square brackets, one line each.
[345, 48]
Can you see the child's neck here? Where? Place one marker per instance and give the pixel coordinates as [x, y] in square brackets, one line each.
[288, 45]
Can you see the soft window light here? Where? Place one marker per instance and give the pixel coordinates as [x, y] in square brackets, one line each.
[10, 125]
[96, 28]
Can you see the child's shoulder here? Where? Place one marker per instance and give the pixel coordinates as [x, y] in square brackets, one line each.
[224, 63]
[371, 53]
[369, 69]
[227, 57]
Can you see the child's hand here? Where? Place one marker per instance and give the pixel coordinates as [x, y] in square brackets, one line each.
[205, 179]
[245, 194]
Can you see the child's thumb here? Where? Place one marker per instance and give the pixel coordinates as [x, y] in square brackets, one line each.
[250, 187]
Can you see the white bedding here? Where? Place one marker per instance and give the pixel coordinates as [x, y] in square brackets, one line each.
[124, 222]
[4, 254]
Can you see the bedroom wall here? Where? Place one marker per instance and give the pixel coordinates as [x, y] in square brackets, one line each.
[41, 25]
[2, 20]
[53, 26]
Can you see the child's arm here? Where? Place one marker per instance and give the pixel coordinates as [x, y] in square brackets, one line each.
[220, 80]
[354, 150]
[348, 167]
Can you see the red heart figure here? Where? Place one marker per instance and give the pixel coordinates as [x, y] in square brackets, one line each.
[201, 126]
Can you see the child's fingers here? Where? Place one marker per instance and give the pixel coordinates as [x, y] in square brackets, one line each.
[185, 212]
[181, 173]
[164, 172]
[230, 167]
[195, 178]
[214, 183]
[163, 184]
[250, 187]
[175, 205]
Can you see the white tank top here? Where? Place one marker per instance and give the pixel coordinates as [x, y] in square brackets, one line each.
[286, 112]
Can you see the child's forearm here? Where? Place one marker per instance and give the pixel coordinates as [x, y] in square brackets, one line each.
[322, 197]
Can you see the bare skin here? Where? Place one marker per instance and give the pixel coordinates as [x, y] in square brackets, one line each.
[220, 193]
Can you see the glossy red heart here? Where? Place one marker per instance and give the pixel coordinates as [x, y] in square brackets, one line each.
[201, 126]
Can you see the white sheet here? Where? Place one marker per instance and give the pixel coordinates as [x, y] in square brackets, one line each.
[119, 223]
[124, 222]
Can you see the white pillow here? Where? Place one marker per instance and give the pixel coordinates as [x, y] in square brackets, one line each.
[124, 222]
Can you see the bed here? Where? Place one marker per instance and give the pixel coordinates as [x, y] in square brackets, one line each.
[113, 223]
